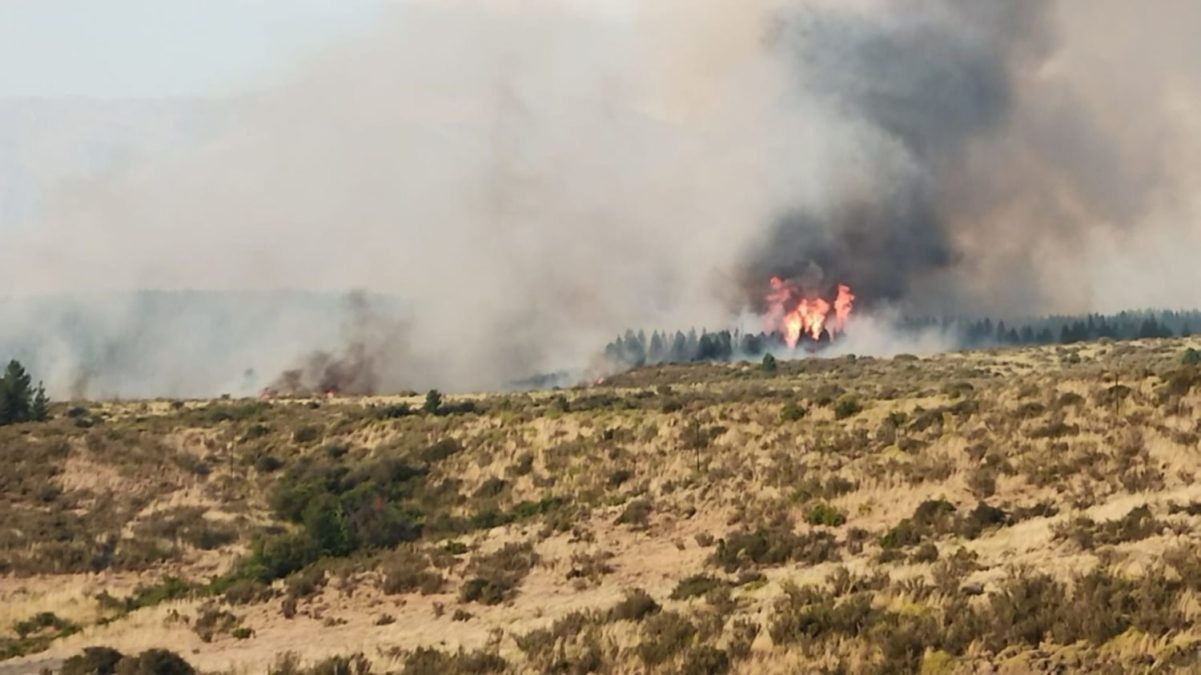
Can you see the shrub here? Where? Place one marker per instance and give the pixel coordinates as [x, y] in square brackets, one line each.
[433, 402]
[494, 578]
[705, 660]
[155, 662]
[694, 586]
[618, 477]
[281, 555]
[1191, 357]
[806, 614]
[245, 591]
[44, 621]
[663, 636]
[792, 411]
[306, 582]
[774, 546]
[439, 451]
[637, 605]
[636, 514]
[407, 571]
[768, 364]
[306, 434]
[1136, 525]
[826, 515]
[931, 518]
[982, 518]
[93, 661]
[268, 464]
[926, 553]
[847, 406]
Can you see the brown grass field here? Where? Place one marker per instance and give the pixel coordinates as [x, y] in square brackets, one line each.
[1012, 511]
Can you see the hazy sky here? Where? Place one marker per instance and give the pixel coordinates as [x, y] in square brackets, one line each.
[162, 48]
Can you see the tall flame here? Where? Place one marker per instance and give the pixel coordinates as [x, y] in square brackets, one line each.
[795, 315]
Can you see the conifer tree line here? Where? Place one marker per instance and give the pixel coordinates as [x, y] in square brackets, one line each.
[20, 401]
[637, 349]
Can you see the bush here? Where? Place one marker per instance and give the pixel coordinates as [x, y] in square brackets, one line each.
[774, 546]
[433, 402]
[44, 621]
[694, 586]
[1136, 525]
[826, 515]
[931, 518]
[705, 660]
[663, 636]
[494, 578]
[306, 434]
[93, 661]
[268, 464]
[847, 406]
[1191, 357]
[439, 451]
[281, 555]
[637, 605]
[636, 514]
[155, 662]
[792, 411]
[408, 571]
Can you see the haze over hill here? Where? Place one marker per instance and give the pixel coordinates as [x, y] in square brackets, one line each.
[534, 178]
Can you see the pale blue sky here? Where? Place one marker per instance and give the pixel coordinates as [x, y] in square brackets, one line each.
[162, 48]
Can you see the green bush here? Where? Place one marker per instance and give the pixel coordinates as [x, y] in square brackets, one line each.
[433, 402]
[278, 556]
[847, 406]
[792, 411]
[826, 515]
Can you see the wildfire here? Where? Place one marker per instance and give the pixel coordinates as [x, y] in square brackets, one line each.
[795, 315]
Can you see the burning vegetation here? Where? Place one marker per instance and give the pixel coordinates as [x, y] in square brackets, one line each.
[797, 314]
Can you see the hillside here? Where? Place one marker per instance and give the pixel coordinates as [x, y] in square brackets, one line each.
[1017, 510]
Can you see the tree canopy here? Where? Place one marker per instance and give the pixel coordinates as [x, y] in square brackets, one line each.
[20, 401]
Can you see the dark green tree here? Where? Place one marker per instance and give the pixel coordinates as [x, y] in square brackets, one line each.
[433, 402]
[39, 408]
[16, 394]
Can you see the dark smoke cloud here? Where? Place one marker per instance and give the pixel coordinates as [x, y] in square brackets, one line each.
[970, 142]
[374, 350]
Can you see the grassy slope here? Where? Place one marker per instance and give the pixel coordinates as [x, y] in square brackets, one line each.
[837, 475]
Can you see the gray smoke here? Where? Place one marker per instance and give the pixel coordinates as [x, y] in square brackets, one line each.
[948, 98]
[517, 182]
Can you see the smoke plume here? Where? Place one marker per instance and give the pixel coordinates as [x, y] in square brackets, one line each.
[525, 180]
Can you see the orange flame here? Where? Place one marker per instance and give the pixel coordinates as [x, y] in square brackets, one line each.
[797, 316]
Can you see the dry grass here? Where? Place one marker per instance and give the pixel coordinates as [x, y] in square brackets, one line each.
[860, 515]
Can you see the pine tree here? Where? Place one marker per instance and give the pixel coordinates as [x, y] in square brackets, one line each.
[39, 408]
[15, 394]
